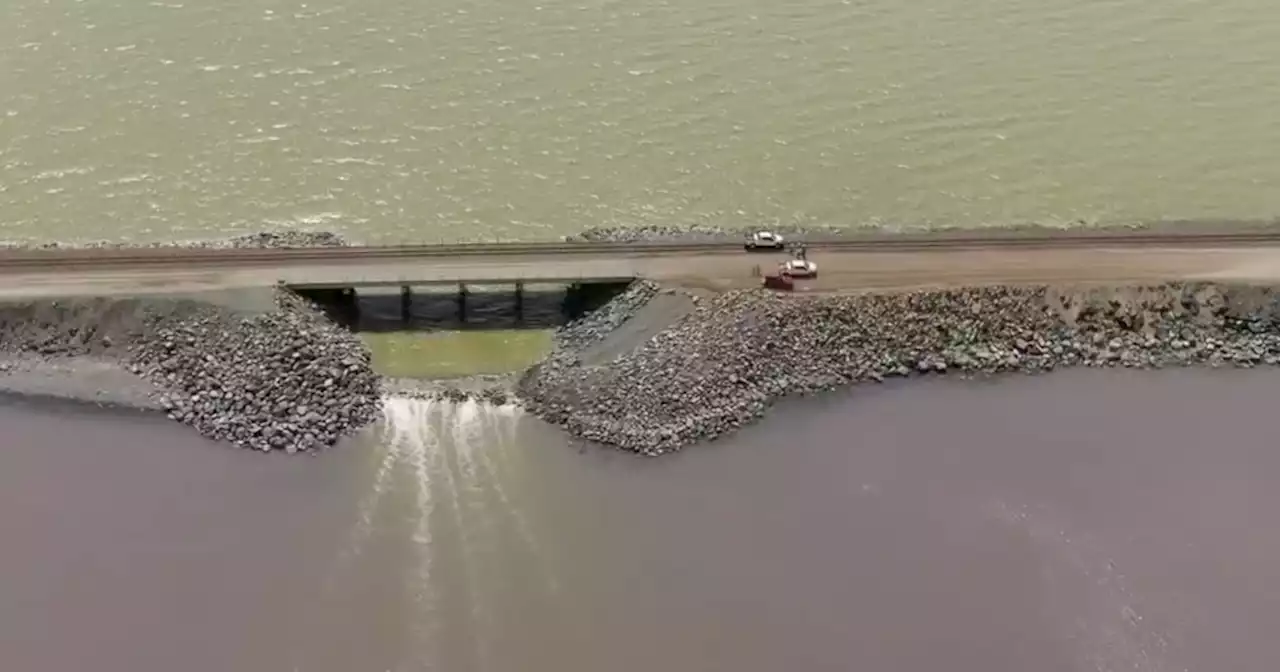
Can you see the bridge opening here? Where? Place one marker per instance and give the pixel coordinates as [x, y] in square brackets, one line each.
[452, 331]
[461, 307]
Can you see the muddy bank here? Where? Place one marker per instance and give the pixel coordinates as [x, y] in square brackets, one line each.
[721, 366]
[79, 380]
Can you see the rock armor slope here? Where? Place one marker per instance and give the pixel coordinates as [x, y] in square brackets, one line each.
[283, 379]
[288, 379]
[280, 239]
[721, 367]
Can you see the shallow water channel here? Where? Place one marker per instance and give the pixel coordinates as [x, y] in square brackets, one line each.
[1081, 521]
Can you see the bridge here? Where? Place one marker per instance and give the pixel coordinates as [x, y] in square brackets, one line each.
[846, 263]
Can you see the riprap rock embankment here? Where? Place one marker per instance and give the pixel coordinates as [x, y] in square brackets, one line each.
[284, 378]
[274, 375]
[722, 365]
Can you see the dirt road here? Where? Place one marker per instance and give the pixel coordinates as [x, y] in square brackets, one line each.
[863, 271]
[839, 271]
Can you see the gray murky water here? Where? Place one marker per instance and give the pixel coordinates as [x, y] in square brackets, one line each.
[394, 119]
[1081, 521]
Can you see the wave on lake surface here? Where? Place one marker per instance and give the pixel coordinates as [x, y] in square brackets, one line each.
[398, 121]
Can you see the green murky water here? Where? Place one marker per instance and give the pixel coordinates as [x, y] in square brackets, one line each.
[453, 354]
[399, 120]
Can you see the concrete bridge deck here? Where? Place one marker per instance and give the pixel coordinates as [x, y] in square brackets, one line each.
[842, 266]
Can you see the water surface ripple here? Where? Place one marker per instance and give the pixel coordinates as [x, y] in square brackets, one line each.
[396, 120]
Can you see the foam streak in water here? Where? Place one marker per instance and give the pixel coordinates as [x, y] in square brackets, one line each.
[500, 421]
[408, 423]
[400, 436]
[442, 466]
[448, 449]
[398, 418]
[466, 441]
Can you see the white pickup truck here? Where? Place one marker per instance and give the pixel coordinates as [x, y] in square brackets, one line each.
[764, 240]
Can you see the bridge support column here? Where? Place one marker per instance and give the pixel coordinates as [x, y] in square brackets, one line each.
[572, 307]
[350, 308]
[462, 303]
[519, 303]
[406, 305]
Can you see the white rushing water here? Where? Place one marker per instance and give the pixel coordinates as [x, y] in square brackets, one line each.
[441, 471]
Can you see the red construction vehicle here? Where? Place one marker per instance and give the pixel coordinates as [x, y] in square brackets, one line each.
[780, 282]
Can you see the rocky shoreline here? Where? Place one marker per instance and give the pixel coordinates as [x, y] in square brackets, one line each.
[284, 378]
[281, 377]
[282, 239]
[289, 379]
[296, 238]
[726, 233]
[723, 365]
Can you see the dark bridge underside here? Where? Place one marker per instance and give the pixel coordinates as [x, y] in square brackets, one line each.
[343, 305]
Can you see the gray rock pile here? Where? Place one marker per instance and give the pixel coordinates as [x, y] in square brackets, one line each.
[694, 232]
[573, 338]
[710, 232]
[494, 395]
[280, 239]
[599, 323]
[83, 327]
[722, 233]
[285, 379]
[723, 365]
[287, 238]
[491, 389]
[288, 379]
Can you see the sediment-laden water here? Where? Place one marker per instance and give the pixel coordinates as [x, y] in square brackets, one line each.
[395, 120]
[1083, 520]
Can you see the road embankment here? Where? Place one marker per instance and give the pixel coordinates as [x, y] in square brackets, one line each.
[264, 369]
[721, 366]
[655, 369]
